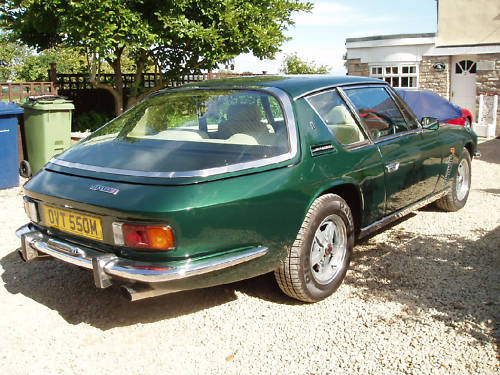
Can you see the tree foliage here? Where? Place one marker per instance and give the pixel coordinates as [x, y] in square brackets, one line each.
[35, 65]
[174, 37]
[18, 62]
[11, 57]
[293, 64]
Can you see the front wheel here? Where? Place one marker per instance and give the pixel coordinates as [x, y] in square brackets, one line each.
[460, 186]
[320, 255]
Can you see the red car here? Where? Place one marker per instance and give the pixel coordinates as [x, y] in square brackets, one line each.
[465, 120]
[429, 104]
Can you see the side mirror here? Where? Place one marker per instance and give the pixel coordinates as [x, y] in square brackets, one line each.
[430, 123]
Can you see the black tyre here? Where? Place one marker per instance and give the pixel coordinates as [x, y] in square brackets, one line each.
[24, 169]
[460, 186]
[319, 258]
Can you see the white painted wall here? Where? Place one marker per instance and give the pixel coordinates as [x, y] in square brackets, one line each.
[407, 50]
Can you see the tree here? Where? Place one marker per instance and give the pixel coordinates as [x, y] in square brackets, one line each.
[173, 37]
[293, 64]
[18, 62]
[11, 57]
[35, 65]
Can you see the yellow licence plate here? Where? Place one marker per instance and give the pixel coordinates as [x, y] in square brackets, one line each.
[72, 222]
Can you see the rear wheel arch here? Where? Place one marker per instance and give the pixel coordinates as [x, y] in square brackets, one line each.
[470, 147]
[352, 195]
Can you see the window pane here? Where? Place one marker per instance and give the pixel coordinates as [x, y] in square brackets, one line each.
[374, 70]
[395, 81]
[387, 70]
[395, 70]
[413, 81]
[378, 111]
[473, 68]
[189, 130]
[379, 70]
[458, 68]
[388, 80]
[411, 121]
[413, 69]
[404, 81]
[337, 117]
[405, 69]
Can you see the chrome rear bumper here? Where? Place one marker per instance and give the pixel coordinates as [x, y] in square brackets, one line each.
[106, 266]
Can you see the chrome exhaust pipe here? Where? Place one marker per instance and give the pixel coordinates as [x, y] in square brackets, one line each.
[137, 292]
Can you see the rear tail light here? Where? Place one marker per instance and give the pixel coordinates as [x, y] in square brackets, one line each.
[30, 209]
[150, 237]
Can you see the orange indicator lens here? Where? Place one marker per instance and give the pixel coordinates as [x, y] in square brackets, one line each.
[153, 237]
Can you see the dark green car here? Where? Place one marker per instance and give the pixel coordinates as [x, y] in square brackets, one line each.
[226, 180]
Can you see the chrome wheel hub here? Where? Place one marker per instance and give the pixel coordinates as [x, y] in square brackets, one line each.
[328, 249]
[462, 181]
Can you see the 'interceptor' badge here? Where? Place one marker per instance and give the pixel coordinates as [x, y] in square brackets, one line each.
[104, 189]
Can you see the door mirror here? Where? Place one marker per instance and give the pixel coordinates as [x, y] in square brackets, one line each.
[430, 123]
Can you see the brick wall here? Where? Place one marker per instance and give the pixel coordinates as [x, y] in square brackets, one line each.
[488, 80]
[356, 68]
[431, 79]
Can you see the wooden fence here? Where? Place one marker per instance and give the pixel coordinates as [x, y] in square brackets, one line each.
[17, 91]
[82, 81]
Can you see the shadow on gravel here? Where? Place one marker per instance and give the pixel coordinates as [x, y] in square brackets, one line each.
[70, 291]
[491, 191]
[266, 288]
[455, 277]
[489, 151]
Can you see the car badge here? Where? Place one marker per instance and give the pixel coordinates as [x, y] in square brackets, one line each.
[104, 189]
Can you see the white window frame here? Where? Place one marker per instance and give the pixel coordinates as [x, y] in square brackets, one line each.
[393, 74]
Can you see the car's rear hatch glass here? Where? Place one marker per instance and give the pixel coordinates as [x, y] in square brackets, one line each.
[186, 133]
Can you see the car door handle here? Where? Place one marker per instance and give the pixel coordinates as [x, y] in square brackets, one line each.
[393, 167]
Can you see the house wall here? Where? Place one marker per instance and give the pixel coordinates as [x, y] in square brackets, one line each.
[356, 68]
[431, 79]
[488, 80]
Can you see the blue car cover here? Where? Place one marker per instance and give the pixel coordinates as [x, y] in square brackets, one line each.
[429, 104]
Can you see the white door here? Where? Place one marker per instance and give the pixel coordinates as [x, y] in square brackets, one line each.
[463, 82]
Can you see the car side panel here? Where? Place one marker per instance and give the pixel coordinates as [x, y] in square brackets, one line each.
[453, 140]
[412, 167]
[360, 166]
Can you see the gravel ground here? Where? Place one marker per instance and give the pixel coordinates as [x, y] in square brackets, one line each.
[423, 297]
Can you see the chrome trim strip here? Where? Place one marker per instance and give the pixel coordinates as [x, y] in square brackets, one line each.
[401, 213]
[397, 135]
[325, 88]
[197, 173]
[109, 265]
[292, 138]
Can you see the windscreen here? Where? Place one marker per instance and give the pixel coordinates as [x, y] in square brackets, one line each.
[189, 130]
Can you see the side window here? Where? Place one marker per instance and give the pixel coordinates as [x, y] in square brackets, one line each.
[337, 117]
[411, 121]
[378, 111]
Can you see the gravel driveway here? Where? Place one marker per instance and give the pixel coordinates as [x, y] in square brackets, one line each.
[422, 297]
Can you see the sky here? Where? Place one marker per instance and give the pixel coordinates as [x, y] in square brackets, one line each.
[320, 36]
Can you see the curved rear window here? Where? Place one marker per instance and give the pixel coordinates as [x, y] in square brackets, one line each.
[189, 130]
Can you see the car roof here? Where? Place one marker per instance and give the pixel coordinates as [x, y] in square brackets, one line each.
[294, 85]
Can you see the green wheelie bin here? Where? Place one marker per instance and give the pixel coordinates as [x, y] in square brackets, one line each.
[47, 127]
